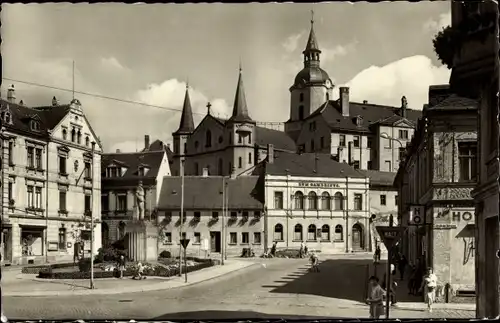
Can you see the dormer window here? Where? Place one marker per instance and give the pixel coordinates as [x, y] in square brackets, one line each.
[73, 135]
[112, 172]
[142, 171]
[7, 117]
[358, 120]
[35, 125]
[64, 134]
[87, 141]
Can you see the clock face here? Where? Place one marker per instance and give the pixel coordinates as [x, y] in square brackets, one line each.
[328, 83]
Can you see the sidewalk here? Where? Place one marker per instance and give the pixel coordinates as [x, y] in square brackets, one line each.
[29, 285]
[436, 306]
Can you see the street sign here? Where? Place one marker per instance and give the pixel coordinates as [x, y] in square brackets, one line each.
[184, 243]
[417, 213]
[390, 235]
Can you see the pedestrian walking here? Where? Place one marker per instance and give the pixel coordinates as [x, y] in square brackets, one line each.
[402, 263]
[376, 298]
[306, 250]
[429, 286]
[139, 272]
[377, 255]
[412, 286]
[314, 262]
[121, 265]
[273, 249]
[301, 250]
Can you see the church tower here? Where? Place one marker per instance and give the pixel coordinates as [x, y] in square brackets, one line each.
[241, 131]
[181, 136]
[311, 89]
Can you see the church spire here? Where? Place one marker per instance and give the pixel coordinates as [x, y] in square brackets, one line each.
[240, 108]
[311, 53]
[187, 124]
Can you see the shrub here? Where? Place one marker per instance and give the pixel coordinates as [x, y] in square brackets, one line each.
[165, 254]
[84, 265]
[106, 254]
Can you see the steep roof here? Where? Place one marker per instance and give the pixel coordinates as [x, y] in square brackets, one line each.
[380, 178]
[240, 108]
[307, 165]
[49, 117]
[370, 114]
[454, 102]
[312, 42]
[132, 161]
[186, 125]
[205, 193]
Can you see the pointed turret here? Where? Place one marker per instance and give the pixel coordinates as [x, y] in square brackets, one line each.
[240, 108]
[187, 124]
[312, 51]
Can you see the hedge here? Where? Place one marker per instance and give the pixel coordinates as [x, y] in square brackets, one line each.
[36, 269]
[158, 271]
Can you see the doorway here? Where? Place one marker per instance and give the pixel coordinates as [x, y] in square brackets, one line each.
[215, 241]
[358, 242]
[491, 243]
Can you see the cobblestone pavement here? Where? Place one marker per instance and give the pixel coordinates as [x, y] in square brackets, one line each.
[276, 288]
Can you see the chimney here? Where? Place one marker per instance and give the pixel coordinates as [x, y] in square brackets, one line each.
[270, 154]
[205, 172]
[365, 101]
[344, 100]
[168, 146]
[404, 105]
[11, 94]
[118, 151]
[55, 102]
[21, 102]
[146, 142]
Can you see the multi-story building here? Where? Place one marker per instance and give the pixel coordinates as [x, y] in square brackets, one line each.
[50, 175]
[121, 175]
[361, 134]
[314, 199]
[436, 178]
[211, 230]
[475, 75]
[220, 146]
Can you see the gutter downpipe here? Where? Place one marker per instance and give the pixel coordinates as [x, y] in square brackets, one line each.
[346, 206]
[47, 197]
[367, 205]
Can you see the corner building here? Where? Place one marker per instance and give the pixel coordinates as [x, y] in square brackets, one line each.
[50, 174]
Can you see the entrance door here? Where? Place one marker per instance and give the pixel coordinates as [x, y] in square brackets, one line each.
[357, 237]
[215, 241]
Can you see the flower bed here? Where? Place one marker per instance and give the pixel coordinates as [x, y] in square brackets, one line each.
[110, 271]
[33, 270]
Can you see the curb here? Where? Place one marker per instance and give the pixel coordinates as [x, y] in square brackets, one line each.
[109, 291]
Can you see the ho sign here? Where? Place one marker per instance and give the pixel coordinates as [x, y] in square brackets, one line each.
[417, 213]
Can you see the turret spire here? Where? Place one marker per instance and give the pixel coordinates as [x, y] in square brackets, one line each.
[311, 53]
[240, 108]
[187, 124]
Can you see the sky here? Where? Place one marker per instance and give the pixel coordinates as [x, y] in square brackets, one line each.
[147, 53]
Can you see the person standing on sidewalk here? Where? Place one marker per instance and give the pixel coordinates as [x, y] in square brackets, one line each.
[121, 265]
[376, 298]
[402, 263]
[429, 286]
[301, 250]
[377, 255]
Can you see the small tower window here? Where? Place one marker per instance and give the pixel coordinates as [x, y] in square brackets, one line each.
[327, 96]
[301, 112]
[185, 148]
[87, 141]
[250, 138]
[240, 162]
[79, 137]
[64, 134]
[301, 97]
[240, 140]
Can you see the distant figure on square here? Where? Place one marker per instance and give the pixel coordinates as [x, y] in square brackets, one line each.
[376, 256]
[301, 250]
[140, 271]
[402, 263]
[429, 286]
[376, 298]
[314, 262]
[273, 249]
[121, 265]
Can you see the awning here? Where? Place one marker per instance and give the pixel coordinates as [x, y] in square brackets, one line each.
[467, 232]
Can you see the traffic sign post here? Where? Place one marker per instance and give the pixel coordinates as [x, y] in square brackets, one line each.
[390, 236]
[184, 244]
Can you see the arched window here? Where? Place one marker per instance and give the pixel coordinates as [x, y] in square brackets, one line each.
[185, 148]
[87, 141]
[338, 201]
[278, 232]
[65, 134]
[220, 170]
[79, 137]
[73, 135]
[313, 201]
[325, 201]
[301, 112]
[301, 97]
[299, 200]
[325, 232]
[208, 139]
[339, 233]
[250, 158]
[240, 162]
[311, 233]
[327, 96]
[297, 233]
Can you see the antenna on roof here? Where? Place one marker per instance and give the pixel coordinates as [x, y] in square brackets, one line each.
[73, 89]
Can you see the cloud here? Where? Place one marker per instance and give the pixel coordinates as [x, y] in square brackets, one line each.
[329, 54]
[112, 62]
[435, 26]
[292, 42]
[410, 76]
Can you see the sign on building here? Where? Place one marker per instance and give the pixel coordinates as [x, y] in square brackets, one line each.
[417, 215]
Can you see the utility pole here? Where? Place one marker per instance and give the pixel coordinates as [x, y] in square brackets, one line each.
[92, 220]
[181, 226]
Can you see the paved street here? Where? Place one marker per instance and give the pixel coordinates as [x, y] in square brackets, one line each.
[271, 288]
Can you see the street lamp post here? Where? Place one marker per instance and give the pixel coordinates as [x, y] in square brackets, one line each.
[92, 221]
[181, 226]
